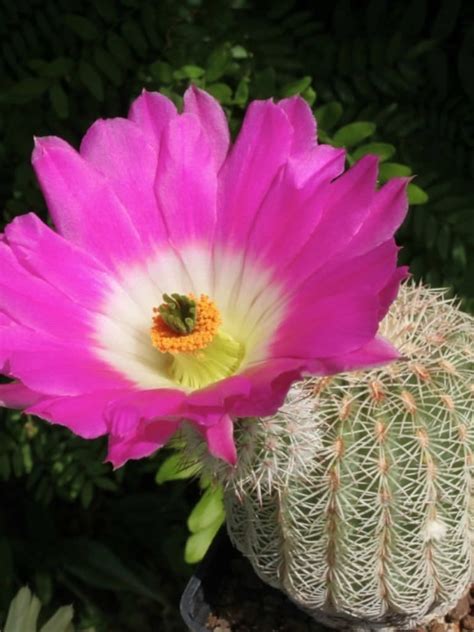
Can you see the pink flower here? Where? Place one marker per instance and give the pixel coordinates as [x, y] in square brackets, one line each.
[284, 265]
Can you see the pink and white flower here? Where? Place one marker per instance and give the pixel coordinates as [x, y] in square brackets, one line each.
[294, 262]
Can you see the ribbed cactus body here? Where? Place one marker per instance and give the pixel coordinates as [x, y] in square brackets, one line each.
[354, 498]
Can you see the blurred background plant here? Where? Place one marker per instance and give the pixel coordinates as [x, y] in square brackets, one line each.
[388, 78]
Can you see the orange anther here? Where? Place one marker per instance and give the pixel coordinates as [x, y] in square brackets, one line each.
[167, 340]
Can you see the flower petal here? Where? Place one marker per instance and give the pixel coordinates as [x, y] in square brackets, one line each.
[262, 147]
[329, 326]
[186, 182]
[289, 213]
[384, 216]
[303, 122]
[152, 111]
[83, 206]
[142, 422]
[212, 119]
[343, 206]
[82, 414]
[220, 439]
[36, 304]
[72, 271]
[17, 395]
[49, 366]
[375, 353]
[123, 153]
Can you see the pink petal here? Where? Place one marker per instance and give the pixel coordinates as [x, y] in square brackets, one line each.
[269, 385]
[367, 273]
[390, 291]
[82, 414]
[384, 216]
[220, 439]
[289, 214]
[82, 204]
[37, 304]
[45, 364]
[327, 326]
[72, 271]
[152, 111]
[212, 119]
[142, 422]
[343, 206]
[147, 439]
[121, 151]
[186, 182]
[261, 149]
[303, 123]
[375, 353]
[17, 395]
[149, 405]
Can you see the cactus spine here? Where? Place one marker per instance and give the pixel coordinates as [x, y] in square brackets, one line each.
[354, 498]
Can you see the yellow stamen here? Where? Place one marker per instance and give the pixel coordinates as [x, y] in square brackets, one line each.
[208, 321]
[199, 357]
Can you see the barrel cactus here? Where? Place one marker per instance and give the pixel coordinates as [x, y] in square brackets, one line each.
[354, 498]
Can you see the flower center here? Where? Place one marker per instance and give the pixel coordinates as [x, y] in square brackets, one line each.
[187, 329]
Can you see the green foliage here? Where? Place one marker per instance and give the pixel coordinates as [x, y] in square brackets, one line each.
[23, 615]
[207, 516]
[402, 93]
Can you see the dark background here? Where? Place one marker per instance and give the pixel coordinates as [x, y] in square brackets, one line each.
[112, 543]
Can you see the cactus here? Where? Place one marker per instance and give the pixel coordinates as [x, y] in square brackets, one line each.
[354, 498]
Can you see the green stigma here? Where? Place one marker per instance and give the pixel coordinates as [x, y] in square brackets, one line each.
[220, 359]
[179, 312]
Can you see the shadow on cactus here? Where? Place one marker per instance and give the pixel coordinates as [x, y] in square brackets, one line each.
[354, 498]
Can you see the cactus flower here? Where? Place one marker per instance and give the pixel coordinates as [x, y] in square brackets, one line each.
[191, 279]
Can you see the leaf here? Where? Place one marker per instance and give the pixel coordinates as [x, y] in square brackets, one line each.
[383, 150]
[459, 254]
[189, 71]
[87, 493]
[26, 90]
[416, 195]
[84, 28]
[161, 72]
[23, 612]
[119, 49]
[57, 68]
[393, 170]
[217, 63]
[445, 21]
[198, 543]
[328, 115]
[106, 483]
[92, 80]
[175, 469]
[209, 508]
[354, 133]
[60, 620]
[309, 95]
[106, 63]
[241, 95]
[134, 35]
[296, 87]
[444, 242]
[98, 566]
[221, 91]
[239, 52]
[106, 9]
[59, 100]
[421, 48]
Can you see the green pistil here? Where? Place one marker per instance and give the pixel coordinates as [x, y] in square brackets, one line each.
[179, 312]
[219, 360]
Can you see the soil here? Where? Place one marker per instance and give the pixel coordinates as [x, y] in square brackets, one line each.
[241, 602]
